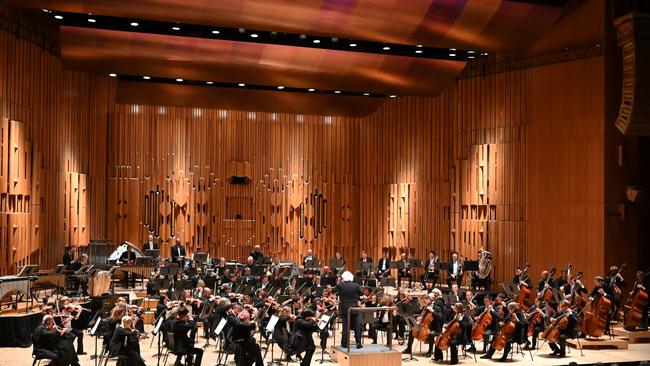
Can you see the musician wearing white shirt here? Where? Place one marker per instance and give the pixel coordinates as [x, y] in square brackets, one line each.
[454, 270]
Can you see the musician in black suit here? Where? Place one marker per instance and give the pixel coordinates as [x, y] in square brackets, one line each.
[125, 343]
[184, 342]
[463, 337]
[67, 257]
[257, 254]
[431, 273]
[456, 294]
[563, 310]
[404, 270]
[349, 296]
[110, 324]
[364, 259]
[128, 257]
[301, 337]
[383, 267]
[178, 253]
[454, 270]
[520, 335]
[309, 257]
[520, 277]
[492, 328]
[242, 334]
[150, 244]
[434, 304]
[53, 343]
[382, 322]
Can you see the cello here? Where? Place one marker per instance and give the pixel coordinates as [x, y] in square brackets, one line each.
[505, 332]
[596, 313]
[633, 309]
[422, 330]
[451, 330]
[525, 294]
[552, 332]
[481, 325]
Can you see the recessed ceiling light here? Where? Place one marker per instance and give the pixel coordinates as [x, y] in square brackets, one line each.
[316, 41]
[353, 44]
[392, 95]
[386, 48]
[280, 87]
[311, 89]
[215, 32]
[241, 84]
[337, 92]
[179, 80]
[470, 51]
[470, 57]
[254, 35]
[418, 45]
[46, 11]
[418, 51]
[452, 49]
[134, 24]
[209, 82]
[452, 54]
[59, 17]
[484, 54]
[112, 75]
[176, 28]
[366, 94]
[146, 77]
[91, 20]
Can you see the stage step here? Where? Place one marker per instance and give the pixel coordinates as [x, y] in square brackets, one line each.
[371, 354]
[633, 337]
[615, 343]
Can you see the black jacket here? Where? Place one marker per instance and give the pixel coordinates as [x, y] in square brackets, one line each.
[381, 264]
[301, 337]
[67, 259]
[147, 245]
[349, 294]
[45, 343]
[184, 342]
[175, 252]
[242, 332]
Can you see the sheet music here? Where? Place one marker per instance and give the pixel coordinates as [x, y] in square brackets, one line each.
[157, 327]
[272, 322]
[324, 319]
[94, 330]
[220, 326]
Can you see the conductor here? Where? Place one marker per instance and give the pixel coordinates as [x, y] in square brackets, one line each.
[349, 295]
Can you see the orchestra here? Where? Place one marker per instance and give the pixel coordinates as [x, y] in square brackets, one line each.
[246, 296]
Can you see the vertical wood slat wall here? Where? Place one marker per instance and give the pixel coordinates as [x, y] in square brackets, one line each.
[53, 142]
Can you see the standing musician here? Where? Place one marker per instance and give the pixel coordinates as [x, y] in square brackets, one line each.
[150, 244]
[242, 334]
[302, 338]
[349, 295]
[643, 283]
[309, 257]
[256, 253]
[519, 335]
[178, 253]
[383, 268]
[434, 304]
[125, 342]
[563, 310]
[405, 269]
[463, 337]
[184, 342]
[54, 343]
[128, 258]
[544, 281]
[454, 270]
[67, 257]
[431, 273]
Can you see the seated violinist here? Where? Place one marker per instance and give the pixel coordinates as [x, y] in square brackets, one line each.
[563, 310]
[281, 330]
[184, 329]
[431, 305]
[110, 324]
[54, 343]
[519, 334]
[399, 324]
[125, 342]
[301, 337]
[242, 335]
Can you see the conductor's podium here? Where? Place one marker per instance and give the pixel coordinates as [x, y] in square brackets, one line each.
[371, 354]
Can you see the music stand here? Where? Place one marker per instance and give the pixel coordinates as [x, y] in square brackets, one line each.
[200, 257]
[388, 281]
[470, 266]
[336, 263]
[258, 270]
[28, 270]
[153, 253]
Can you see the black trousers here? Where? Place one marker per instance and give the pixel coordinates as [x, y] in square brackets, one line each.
[560, 346]
[458, 280]
[79, 334]
[481, 282]
[354, 323]
[453, 353]
[429, 276]
[189, 357]
[430, 341]
[249, 353]
[399, 328]
[309, 353]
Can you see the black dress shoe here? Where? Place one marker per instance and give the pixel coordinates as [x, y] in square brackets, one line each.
[406, 350]
[359, 346]
[503, 359]
[428, 355]
[81, 353]
[471, 349]
[486, 356]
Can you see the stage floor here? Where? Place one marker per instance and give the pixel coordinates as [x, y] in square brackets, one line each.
[636, 352]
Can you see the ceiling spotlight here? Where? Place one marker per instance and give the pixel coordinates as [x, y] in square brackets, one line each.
[470, 51]
[46, 11]
[59, 17]
[242, 30]
[452, 49]
[209, 82]
[179, 80]
[418, 51]
[254, 35]
[353, 44]
[176, 28]
[311, 89]
[316, 41]
[392, 95]
[280, 87]
[146, 77]
[241, 84]
[386, 48]
[215, 32]
[470, 57]
[134, 24]
[91, 20]
[452, 54]
[112, 75]
[337, 92]
[484, 54]
[418, 45]
[366, 94]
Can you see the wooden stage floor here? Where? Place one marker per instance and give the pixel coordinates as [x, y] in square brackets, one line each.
[636, 352]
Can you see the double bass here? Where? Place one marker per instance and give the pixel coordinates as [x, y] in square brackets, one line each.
[617, 290]
[633, 309]
[596, 313]
[523, 298]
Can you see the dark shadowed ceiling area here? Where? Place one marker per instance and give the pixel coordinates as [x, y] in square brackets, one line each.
[478, 25]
